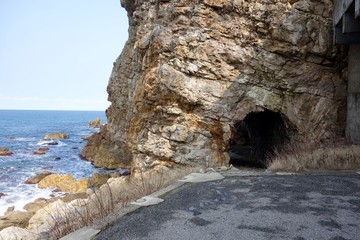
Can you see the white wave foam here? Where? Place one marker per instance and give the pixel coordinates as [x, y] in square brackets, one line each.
[24, 139]
[51, 142]
[23, 196]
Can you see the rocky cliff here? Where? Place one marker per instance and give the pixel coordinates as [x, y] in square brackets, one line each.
[206, 82]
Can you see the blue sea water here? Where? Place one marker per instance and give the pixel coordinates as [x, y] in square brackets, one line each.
[22, 131]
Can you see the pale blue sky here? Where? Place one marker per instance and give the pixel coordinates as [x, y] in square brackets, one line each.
[58, 54]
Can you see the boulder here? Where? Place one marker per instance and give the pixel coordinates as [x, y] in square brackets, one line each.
[15, 218]
[73, 196]
[75, 186]
[16, 233]
[99, 179]
[44, 219]
[5, 152]
[58, 217]
[53, 180]
[95, 123]
[65, 183]
[41, 151]
[36, 179]
[36, 205]
[56, 136]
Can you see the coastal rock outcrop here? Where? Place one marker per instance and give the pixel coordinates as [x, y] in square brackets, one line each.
[204, 83]
[56, 136]
[97, 123]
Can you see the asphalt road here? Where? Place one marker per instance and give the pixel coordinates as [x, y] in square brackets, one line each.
[321, 206]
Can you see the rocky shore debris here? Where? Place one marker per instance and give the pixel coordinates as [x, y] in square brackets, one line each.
[36, 179]
[97, 123]
[5, 152]
[65, 183]
[41, 151]
[56, 136]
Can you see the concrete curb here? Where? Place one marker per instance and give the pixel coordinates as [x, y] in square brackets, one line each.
[82, 233]
[147, 201]
[202, 177]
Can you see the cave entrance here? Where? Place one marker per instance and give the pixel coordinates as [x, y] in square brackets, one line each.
[256, 137]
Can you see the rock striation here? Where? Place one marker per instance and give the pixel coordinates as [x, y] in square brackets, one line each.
[199, 82]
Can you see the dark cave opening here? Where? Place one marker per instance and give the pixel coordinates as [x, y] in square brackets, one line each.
[256, 137]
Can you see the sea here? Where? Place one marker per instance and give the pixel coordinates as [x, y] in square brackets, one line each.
[22, 132]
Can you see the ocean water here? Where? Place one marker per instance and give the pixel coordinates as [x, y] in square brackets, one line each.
[22, 131]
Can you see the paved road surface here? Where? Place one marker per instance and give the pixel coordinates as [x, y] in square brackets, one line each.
[321, 206]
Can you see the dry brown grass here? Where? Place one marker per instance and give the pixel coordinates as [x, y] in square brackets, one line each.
[72, 216]
[321, 156]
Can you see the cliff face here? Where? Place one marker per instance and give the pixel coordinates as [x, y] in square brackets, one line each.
[201, 81]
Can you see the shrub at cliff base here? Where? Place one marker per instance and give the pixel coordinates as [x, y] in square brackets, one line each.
[304, 157]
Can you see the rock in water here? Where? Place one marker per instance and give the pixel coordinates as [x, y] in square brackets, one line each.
[41, 151]
[196, 78]
[97, 123]
[5, 152]
[56, 136]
